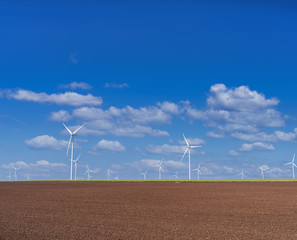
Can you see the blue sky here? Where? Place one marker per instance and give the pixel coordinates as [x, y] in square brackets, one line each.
[140, 74]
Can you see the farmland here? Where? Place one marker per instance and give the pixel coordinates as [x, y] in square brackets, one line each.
[148, 210]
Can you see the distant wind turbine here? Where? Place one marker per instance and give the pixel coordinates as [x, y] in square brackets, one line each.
[242, 174]
[175, 176]
[15, 173]
[88, 172]
[9, 176]
[293, 166]
[189, 147]
[198, 171]
[144, 175]
[116, 178]
[108, 174]
[263, 168]
[28, 176]
[160, 168]
[75, 167]
[71, 141]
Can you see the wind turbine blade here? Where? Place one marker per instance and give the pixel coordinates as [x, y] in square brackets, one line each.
[293, 158]
[184, 153]
[288, 163]
[78, 129]
[67, 129]
[186, 140]
[195, 146]
[78, 158]
[69, 144]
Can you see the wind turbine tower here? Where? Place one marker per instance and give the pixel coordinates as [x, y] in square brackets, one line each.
[293, 166]
[263, 169]
[189, 147]
[71, 141]
[88, 172]
[9, 176]
[75, 167]
[108, 174]
[15, 173]
[144, 175]
[198, 171]
[242, 174]
[160, 168]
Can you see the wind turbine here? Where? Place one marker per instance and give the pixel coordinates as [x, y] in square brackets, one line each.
[71, 141]
[9, 176]
[175, 176]
[116, 178]
[293, 165]
[15, 173]
[108, 174]
[242, 174]
[160, 168]
[75, 166]
[263, 168]
[189, 147]
[198, 171]
[144, 175]
[88, 172]
[28, 176]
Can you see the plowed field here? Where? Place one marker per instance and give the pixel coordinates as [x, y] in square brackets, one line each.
[148, 210]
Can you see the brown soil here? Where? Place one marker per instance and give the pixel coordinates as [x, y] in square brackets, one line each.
[147, 210]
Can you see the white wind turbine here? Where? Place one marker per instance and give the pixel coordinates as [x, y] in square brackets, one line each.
[28, 176]
[88, 172]
[108, 174]
[293, 165]
[144, 175]
[75, 166]
[189, 147]
[71, 141]
[242, 174]
[116, 178]
[9, 176]
[160, 168]
[175, 176]
[15, 173]
[198, 171]
[263, 168]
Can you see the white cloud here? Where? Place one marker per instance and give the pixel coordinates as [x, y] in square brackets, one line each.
[114, 146]
[46, 142]
[116, 85]
[233, 153]
[75, 85]
[238, 109]
[60, 116]
[138, 131]
[215, 135]
[193, 141]
[228, 169]
[169, 107]
[166, 149]
[67, 98]
[37, 165]
[257, 146]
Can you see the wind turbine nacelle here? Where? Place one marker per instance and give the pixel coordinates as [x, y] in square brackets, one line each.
[73, 134]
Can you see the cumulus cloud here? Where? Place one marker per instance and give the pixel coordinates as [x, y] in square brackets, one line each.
[60, 116]
[192, 141]
[116, 85]
[114, 146]
[233, 153]
[166, 149]
[67, 98]
[238, 109]
[46, 142]
[75, 85]
[257, 146]
[138, 131]
[169, 107]
[215, 135]
[37, 164]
